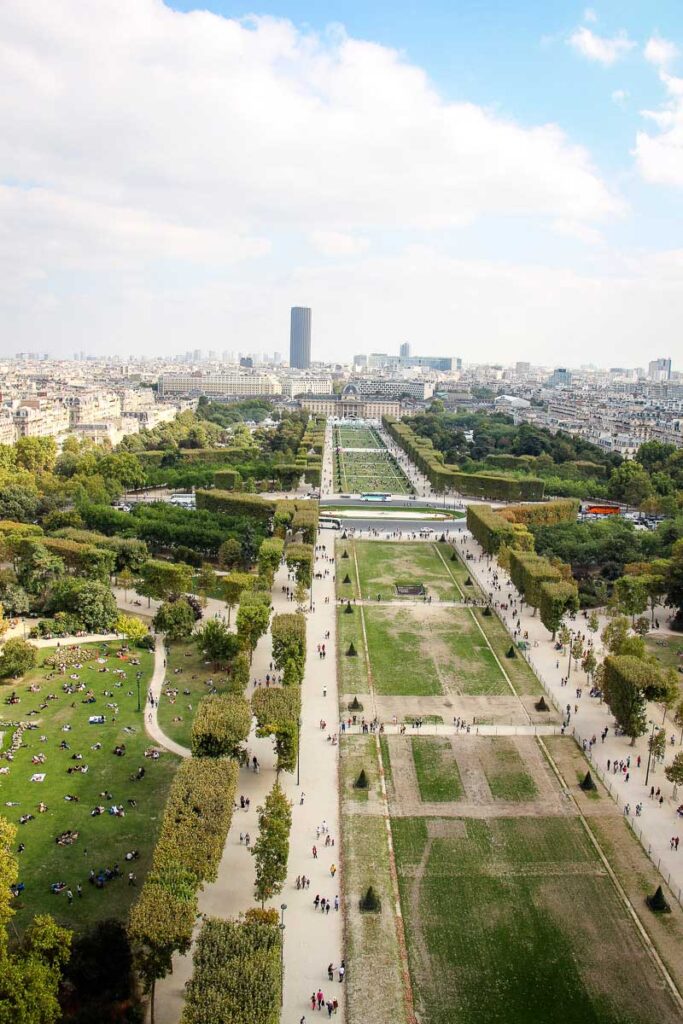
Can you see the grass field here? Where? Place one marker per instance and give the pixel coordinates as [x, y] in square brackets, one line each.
[176, 711]
[382, 565]
[102, 840]
[352, 672]
[355, 472]
[438, 778]
[429, 650]
[505, 773]
[514, 921]
[361, 436]
[669, 653]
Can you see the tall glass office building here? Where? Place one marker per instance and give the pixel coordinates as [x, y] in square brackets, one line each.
[300, 338]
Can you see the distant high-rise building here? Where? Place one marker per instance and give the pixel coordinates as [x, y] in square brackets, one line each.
[560, 378]
[522, 367]
[659, 369]
[404, 350]
[300, 338]
[360, 360]
[277, 358]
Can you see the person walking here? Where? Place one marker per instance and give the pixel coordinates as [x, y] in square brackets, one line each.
[342, 971]
[315, 853]
[330, 966]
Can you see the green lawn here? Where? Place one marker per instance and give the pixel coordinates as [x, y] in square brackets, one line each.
[176, 712]
[669, 653]
[504, 770]
[105, 839]
[521, 676]
[513, 921]
[459, 570]
[428, 651]
[438, 778]
[356, 472]
[381, 565]
[352, 671]
[357, 437]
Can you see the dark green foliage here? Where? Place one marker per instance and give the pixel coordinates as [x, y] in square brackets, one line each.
[348, 610]
[587, 783]
[370, 903]
[351, 651]
[347, 579]
[355, 705]
[362, 780]
[657, 902]
[511, 653]
[487, 611]
[541, 705]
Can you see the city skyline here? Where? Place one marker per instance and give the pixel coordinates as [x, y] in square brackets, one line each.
[399, 172]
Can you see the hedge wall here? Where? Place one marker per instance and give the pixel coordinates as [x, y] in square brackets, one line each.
[235, 504]
[443, 477]
[220, 726]
[197, 817]
[227, 479]
[492, 530]
[236, 977]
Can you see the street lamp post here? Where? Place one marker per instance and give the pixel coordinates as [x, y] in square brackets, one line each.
[283, 907]
[298, 739]
[649, 753]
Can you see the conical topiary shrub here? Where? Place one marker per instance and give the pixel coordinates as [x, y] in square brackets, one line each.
[344, 535]
[487, 611]
[370, 903]
[454, 557]
[351, 652]
[587, 783]
[511, 652]
[345, 554]
[541, 705]
[657, 903]
[362, 780]
[347, 579]
[355, 705]
[442, 538]
[348, 610]
[468, 581]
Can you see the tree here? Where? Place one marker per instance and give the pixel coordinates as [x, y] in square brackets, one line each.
[277, 712]
[678, 719]
[593, 622]
[18, 503]
[132, 628]
[670, 690]
[589, 663]
[125, 580]
[632, 595]
[624, 694]
[288, 632]
[253, 616]
[629, 482]
[176, 619]
[657, 744]
[18, 656]
[674, 577]
[230, 553]
[674, 772]
[206, 580]
[158, 579]
[615, 634]
[36, 453]
[271, 849]
[215, 641]
[270, 556]
[575, 652]
[233, 585]
[220, 726]
[91, 601]
[564, 635]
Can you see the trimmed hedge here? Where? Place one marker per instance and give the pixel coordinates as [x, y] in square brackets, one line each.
[447, 478]
[288, 632]
[220, 726]
[235, 504]
[130, 553]
[227, 479]
[85, 559]
[236, 977]
[197, 817]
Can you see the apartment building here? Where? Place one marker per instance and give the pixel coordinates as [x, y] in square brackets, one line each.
[8, 428]
[93, 407]
[222, 384]
[36, 417]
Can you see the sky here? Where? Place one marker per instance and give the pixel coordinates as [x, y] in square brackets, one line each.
[486, 179]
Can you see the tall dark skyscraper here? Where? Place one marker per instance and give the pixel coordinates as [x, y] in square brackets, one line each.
[300, 338]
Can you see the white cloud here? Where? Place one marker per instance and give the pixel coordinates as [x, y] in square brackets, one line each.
[139, 144]
[619, 96]
[660, 52]
[337, 243]
[660, 156]
[605, 50]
